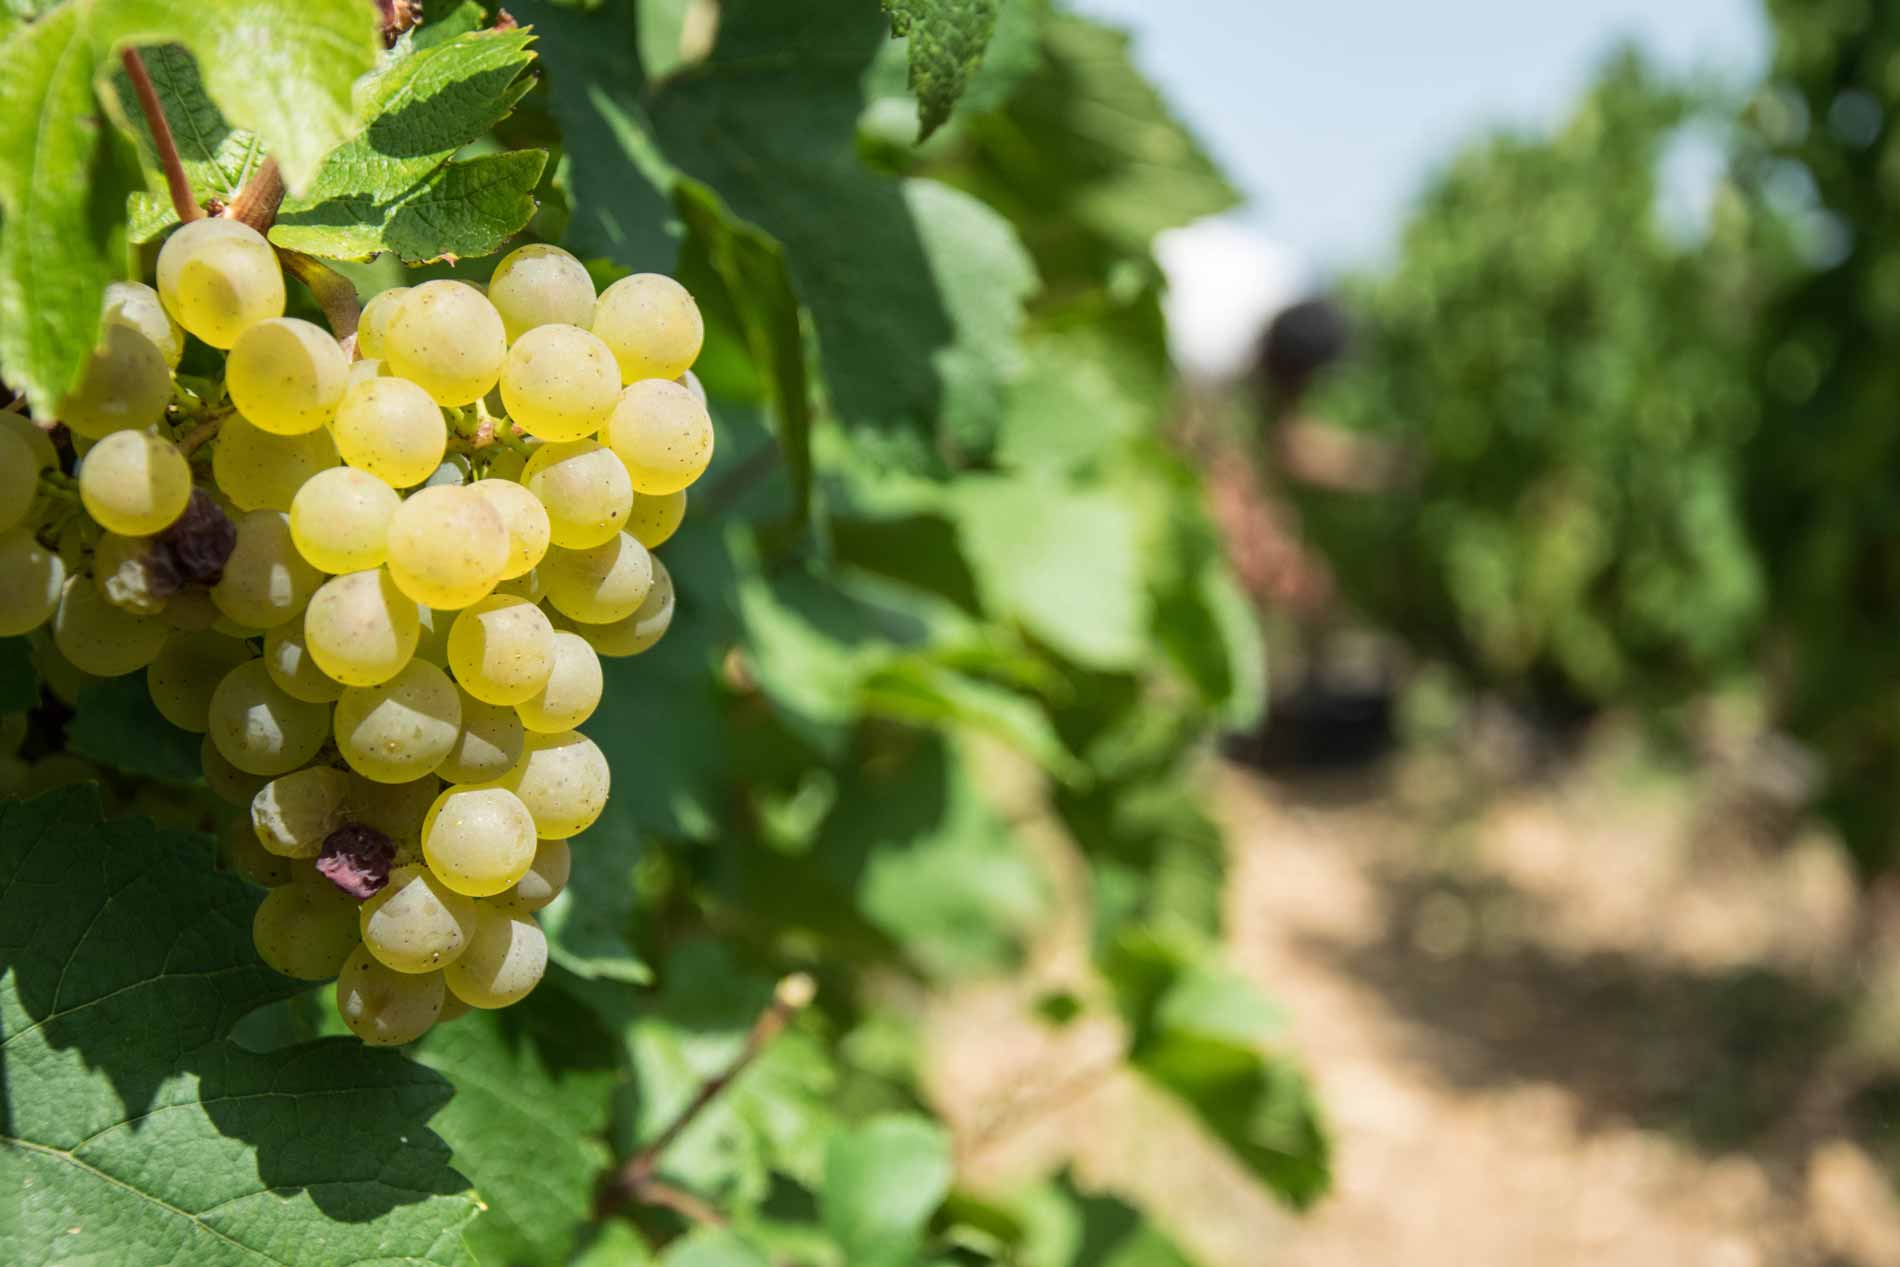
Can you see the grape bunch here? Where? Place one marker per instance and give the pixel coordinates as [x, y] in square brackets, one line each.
[378, 584]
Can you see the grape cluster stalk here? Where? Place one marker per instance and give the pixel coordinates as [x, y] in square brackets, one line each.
[381, 590]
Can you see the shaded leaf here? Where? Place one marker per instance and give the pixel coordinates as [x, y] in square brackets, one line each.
[19, 680]
[217, 157]
[116, 724]
[883, 1181]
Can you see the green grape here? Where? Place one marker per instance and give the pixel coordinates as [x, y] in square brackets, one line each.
[402, 729]
[390, 428]
[31, 580]
[20, 468]
[478, 839]
[563, 780]
[584, 488]
[501, 649]
[125, 571]
[433, 645]
[539, 285]
[286, 375]
[509, 462]
[138, 307]
[383, 1007]
[340, 520]
[134, 483]
[528, 585]
[641, 630]
[288, 660]
[559, 383]
[360, 629]
[260, 471]
[395, 809]
[543, 882]
[651, 324]
[573, 688]
[504, 961]
[261, 730]
[447, 547]
[242, 853]
[266, 581]
[656, 518]
[45, 454]
[415, 923]
[101, 639]
[186, 672]
[525, 519]
[124, 387]
[662, 434]
[601, 585]
[371, 326]
[490, 744]
[191, 610]
[305, 929]
[447, 339]
[218, 277]
[231, 784]
[295, 814]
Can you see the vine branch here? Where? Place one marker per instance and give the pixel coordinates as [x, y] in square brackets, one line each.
[175, 180]
[637, 1180]
[332, 291]
[256, 204]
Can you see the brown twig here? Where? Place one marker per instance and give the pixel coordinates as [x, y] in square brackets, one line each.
[175, 180]
[637, 1180]
[256, 204]
[204, 431]
[333, 292]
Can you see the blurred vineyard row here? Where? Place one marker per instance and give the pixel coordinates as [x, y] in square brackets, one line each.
[1595, 443]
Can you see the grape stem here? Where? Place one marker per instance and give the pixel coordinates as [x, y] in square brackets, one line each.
[175, 179]
[332, 291]
[198, 435]
[638, 1179]
[256, 204]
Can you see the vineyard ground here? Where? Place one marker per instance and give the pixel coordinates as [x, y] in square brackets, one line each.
[1582, 1014]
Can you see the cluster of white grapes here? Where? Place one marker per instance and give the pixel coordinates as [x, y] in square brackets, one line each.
[380, 590]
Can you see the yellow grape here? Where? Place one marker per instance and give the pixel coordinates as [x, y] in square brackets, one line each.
[218, 277]
[401, 730]
[138, 307]
[563, 780]
[491, 742]
[240, 852]
[478, 839]
[124, 569]
[134, 483]
[543, 882]
[371, 326]
[656, 517]
[415, 923]
[584, 488]
[305, 929]
[286, 375]
[186, 671]
[395, 809]
[266, 581]
[31, 579]
[501, 649]
[340, 520]
[101, 639]
[295, 814]
[20, 469]
[504, 961]
[383, 1007]
[601, 585]
[261, 471]
[447, 339]
[539, 285]
[559, 383]
[573, 688]
[288, 660]
[652, 326]
[447, 547]
[261, 730]
[360, 629]
[641, 630]
[124, 386]
[525, 518]
[663, 435]
[392, 429]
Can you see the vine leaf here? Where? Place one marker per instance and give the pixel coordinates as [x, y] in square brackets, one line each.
[883, 1181]
[397, 185]
[947, 39]
[217, 157]
[130, 1120]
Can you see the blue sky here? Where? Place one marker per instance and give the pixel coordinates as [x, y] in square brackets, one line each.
[1330, 115]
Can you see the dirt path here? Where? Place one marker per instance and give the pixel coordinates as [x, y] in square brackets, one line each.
[1576, 1023]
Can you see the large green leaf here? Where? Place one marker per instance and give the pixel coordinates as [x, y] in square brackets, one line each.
[532, 1091]
[217, 157]
[19, 680]
[133, 1126]
[947, 39]
[397, 185]
[115, 723]
[589, 924]
[883, 1181]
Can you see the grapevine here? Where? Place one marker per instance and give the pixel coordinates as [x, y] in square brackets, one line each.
[381, 589]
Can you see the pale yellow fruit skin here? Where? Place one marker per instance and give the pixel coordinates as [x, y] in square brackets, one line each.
[401, 730]
[31, 579]
[260, 471]
[662, 434]
[538, 285]
[371, 326]
[286, 375]
[217, 277]
[447, 547]
[259, 729]
[563, 780]
[186, 671]
[294, 814]
[501, 649]
[479, 839]
[491, 742]
[656, 517]
[503, 963]
[585, 489]
[544, 881]
[392, 429]
[415, 923]
[266, 581]
[361, 629]
[525, 518]
[395, 809]
[332, 499]
[125, 386]
[288, 660]
[305, 929]
[559, 383]
[640, 631]
[135, 483]
[447, 339]
[101, 639]
[601, 585]
[383, 1007]
[651, 324]
[138, 307]
[573, 689]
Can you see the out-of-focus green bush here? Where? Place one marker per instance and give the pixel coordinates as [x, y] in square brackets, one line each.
[1568, 375]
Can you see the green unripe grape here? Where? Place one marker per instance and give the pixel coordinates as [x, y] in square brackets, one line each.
[31, 580]
[478, 839]
[447, 547]
[260, 471]
[415, 923]
[584, 488]
[539, 285]
[295, 814]
[447, 339]
[241, 852]
[371, 326]
[544, 880]
[508, 464]
[601, 585]
[559, 383]
[501, 649]
[100, 639]
[402, 729]
[563, 780]
[218, 277]
[504, 961]
[261, 730]
[340, 520]
[232, 785]
[383, 1007]
[138, 307]
[663, 435]
[360, 629]
[392, 429]
[491, 742]
[641, 630]
[134, 483]
[525, 518]
[652, 326]
[266, 580]
[191, 610]
[305, 929]
[656, 518]
[124, 387]
[288, 660]
[286, 375]
[187, 671]
[20, 468]
[573, 688]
